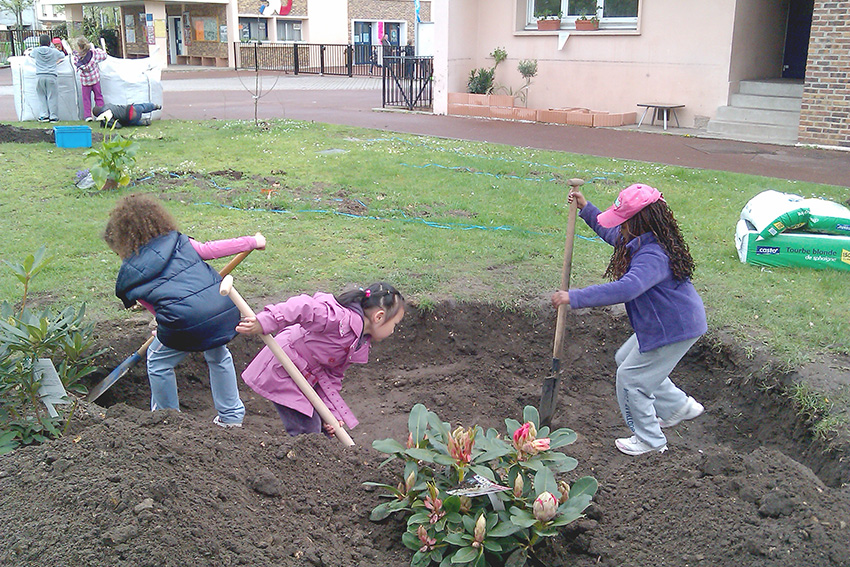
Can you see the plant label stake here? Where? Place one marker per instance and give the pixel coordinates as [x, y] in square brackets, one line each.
[131, 360]
[548, 397]
[227, 289]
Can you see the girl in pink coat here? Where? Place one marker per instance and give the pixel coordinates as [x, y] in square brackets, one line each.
[323, 335]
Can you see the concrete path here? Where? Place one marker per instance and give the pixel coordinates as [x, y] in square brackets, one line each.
[224, 94]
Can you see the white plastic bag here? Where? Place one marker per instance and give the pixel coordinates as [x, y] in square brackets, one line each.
[772, 212]
[827, 217]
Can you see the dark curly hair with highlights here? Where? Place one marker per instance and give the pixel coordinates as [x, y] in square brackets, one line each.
[658, 219]
[136, 220]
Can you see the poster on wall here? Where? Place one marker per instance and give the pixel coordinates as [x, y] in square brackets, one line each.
[129, 21]
[222, 34]
[130, 34]
[187, 29]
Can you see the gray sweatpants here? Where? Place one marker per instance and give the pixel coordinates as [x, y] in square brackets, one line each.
[47, 89]
[644, 389]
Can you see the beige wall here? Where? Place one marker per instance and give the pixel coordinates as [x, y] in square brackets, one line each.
[680, 53]
[758, 41]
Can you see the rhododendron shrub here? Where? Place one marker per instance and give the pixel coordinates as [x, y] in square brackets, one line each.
[478, 498]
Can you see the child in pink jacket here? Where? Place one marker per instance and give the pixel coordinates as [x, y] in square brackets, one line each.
[323, 335]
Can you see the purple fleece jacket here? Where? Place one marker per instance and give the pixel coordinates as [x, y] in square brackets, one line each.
[661, 309]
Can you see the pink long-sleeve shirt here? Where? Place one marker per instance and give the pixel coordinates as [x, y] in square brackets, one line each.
[216, 249]
[323, 338]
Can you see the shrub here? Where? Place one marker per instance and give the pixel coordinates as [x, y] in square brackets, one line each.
[26, 337]
[113, 161]
[474, 498]
[481, 81]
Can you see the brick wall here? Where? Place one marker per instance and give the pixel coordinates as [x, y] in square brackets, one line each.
[825, 116]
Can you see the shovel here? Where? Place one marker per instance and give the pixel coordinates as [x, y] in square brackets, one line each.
[227, 289]
[549, 396]
[131, 360]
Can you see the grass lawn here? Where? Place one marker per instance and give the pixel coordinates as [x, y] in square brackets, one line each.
[437, 218]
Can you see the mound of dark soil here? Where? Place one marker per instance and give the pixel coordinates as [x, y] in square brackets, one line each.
[126, 487]
[17, 135]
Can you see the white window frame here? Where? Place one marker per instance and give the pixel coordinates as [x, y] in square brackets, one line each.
[568, 22]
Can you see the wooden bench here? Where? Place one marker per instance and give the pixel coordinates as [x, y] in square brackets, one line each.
[663, 108]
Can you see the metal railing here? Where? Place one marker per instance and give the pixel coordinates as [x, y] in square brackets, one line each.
[15, 42]
[408, 82]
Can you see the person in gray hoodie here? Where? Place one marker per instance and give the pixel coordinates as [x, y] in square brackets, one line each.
[46, 60]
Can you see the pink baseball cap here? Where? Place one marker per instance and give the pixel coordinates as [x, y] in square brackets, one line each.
[628, 203]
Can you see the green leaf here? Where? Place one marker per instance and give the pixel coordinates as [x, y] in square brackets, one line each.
[390, 446]
[451, 504]
[417, 422]
[504, 529]
[465, 555]
[492, 546]
[382, 511]
[518, 558]
[411, 541]
[530, 413]
[458, 539]
[512, 425]
[584, 485]
[439, 426]
[560, 462]
[426, 455]
[561, 437]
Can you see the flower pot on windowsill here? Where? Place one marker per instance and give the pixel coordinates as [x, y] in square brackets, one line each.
[548, 25]
[587, 25]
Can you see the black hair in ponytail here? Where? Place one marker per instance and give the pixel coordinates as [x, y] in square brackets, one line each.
[381, 295]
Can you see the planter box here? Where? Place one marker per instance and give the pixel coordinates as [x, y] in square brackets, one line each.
[505, 113]
[580, 118]
[529, 114]
[502, 100]
[459, 98]
[478, 110]
[479, 99]
[552, 116]
[458, 109]
[613, 119]
[548, 25]
[586, 25]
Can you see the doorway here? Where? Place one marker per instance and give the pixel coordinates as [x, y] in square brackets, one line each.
[176, 46]
[362, 43]
[797, 32]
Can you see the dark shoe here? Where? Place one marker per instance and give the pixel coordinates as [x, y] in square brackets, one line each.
[43, 119]
[157, 107]
[54, 120]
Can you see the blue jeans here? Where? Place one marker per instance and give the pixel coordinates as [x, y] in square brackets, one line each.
[141, 108]
[225, 392]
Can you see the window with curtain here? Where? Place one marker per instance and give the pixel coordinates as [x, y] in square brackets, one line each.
[612, 14]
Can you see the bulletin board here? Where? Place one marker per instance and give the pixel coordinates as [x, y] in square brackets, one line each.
[205, 29]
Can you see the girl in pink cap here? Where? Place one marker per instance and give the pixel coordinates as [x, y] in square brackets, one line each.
[650, 272]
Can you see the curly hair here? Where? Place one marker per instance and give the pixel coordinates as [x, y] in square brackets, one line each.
[658, 219]
[136, 220]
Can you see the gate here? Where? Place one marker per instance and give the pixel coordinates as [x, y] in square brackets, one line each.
[408, 82]
[15, 42]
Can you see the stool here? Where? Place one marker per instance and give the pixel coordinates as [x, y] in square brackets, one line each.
[665, 109]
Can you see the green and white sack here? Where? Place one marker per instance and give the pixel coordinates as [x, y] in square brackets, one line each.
[827, 217]
[792, 249]
[772, 212]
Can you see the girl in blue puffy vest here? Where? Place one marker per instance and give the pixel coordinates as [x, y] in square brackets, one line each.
[165, 271]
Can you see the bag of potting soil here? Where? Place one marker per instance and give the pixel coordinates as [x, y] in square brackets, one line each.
[772, 212]
[827, 217]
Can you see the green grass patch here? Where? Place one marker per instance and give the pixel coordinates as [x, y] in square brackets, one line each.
[438, 218]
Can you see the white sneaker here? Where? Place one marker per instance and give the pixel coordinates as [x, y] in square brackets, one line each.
[634, 446]
[220, 423]
[690, 410]
[89, 118]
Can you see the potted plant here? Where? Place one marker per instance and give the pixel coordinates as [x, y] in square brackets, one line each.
[585, 23]
[548, 21]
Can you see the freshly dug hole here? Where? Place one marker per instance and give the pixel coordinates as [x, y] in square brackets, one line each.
[168, 488]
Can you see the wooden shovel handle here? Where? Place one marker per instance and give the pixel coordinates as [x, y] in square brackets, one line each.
[565, 274]
[308, 391]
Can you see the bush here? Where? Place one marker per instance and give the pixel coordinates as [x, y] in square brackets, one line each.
[481, 81]
[26, 337]
[475, 498]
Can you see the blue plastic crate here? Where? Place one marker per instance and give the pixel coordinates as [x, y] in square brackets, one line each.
[72, 136]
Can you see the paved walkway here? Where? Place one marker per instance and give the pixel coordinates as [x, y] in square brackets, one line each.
[224, 94]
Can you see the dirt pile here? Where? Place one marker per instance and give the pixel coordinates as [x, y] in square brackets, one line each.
[127, 487]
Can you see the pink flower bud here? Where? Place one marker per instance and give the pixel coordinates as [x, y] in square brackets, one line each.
[480, 529]
[545, 507]
[564, 489]
[519, 484]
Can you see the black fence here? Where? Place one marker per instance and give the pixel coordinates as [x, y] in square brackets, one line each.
[408, 82]
[15, 42]
[407, 79]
